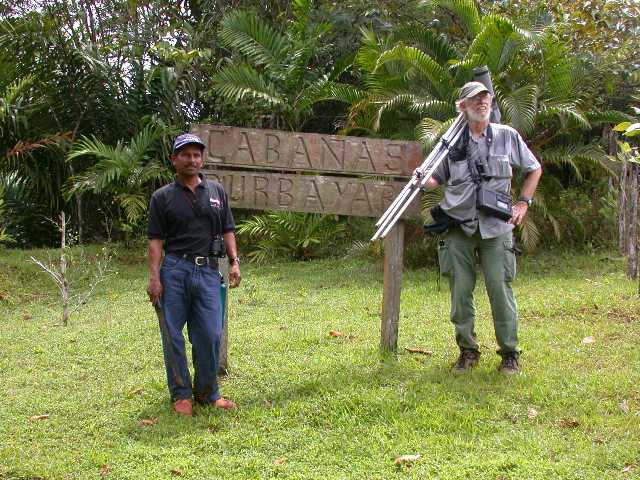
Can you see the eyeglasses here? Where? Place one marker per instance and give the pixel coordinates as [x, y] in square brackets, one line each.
[480, 98]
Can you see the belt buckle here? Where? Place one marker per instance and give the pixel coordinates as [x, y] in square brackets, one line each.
[197, 261]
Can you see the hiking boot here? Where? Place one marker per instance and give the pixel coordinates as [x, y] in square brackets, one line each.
[509, 364]
[467, 360]
[183, 407]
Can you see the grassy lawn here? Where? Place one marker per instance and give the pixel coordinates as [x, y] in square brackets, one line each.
[317, 406]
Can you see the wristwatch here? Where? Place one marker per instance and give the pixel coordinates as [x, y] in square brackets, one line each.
[526, 200]
[234, 260]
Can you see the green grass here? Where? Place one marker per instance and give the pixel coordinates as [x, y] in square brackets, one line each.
[326, 407]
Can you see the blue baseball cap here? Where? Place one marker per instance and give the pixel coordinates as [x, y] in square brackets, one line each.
[187, 139]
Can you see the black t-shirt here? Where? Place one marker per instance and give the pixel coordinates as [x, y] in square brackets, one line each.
[187, 221]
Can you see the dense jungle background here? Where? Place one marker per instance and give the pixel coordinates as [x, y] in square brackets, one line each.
[92, 93]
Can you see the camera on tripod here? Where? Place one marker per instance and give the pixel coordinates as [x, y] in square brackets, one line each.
[217, 247]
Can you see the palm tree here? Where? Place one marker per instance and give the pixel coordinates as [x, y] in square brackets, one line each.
[410, 79]
[275, 69]
[125, 172]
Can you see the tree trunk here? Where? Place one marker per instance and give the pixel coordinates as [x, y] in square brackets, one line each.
[632, 223]
[63, 270]
[79, 214]
[622, 210]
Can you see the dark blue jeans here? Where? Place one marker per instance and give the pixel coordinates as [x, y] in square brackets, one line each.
[191, 295]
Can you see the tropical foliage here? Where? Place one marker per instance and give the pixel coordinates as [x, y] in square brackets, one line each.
[91, 93]
[278, 70]
[127, 173]
[410, 78]
[299, 236]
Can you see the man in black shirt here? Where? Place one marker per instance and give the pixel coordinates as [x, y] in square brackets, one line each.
[190, 219]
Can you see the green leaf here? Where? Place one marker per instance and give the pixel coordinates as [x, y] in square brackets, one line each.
[244, 31]
[621, 127]
[236, 82]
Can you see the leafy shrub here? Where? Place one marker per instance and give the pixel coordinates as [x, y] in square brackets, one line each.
[289, 235]
[587, 217]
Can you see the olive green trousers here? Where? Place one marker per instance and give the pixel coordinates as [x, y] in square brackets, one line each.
[458, 255]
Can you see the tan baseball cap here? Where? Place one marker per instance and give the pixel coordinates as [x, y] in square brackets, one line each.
[471, 89]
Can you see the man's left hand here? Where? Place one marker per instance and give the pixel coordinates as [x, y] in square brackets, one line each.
[519, 211]
[234, 275]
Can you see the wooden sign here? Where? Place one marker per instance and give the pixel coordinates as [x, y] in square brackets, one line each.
[308, 172]
[287, 151]
[308, 193]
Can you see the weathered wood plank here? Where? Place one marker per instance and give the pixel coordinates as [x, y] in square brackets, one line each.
[393, 253]
[288, 151]
[309, 193]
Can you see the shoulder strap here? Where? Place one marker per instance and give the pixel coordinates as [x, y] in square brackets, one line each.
[213, 216]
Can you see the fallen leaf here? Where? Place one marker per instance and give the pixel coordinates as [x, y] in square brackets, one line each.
[268, 403]
[104, 470]
[588, 340]
[279, 461]
[27, 316]
[569, 423]
[628, 467]
[406, 459]
[136, 391]
[335, 333]
[421, 351]
[532, 412]
[176, 472]
[351, 337]
[39, 417]
[624, 406]
[599, 439]
[147, 422]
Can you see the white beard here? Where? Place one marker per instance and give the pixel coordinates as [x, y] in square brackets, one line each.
[478, 117]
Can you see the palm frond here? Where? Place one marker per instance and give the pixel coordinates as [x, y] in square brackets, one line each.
[301, 10]
[12, 106]
[93, 147]
[529, 233]
[496, 43]
[433, 44]
[236, 82]
[370, 48]
[557, 68]
[430, 198]
[466, 11]
[247, 33]
[438, 77]
[519, 107]
[430, 130]
[325, 89]
[133, 204]
[573, 154]
[568, 114]
[608, 116]
[301, 55]
[415, 104]
[341, 65]
[290, 234]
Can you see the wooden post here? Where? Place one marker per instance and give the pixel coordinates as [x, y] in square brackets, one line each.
[223, 367]
[632, 222]
[393, 252]
[623, 241]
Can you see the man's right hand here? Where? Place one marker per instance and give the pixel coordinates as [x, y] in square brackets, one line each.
[154, 290]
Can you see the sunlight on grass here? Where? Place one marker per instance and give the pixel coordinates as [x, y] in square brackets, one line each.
[316, 406]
